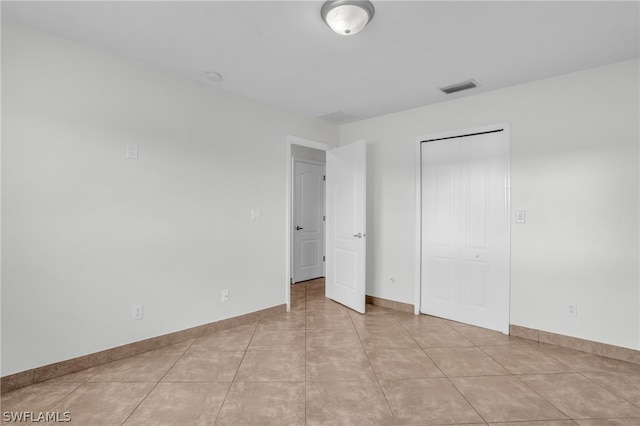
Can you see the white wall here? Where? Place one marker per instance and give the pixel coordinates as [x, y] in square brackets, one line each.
[86, 233]
[574, 169]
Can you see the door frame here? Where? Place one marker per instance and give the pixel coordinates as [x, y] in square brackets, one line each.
[418, 210]
[293, 140]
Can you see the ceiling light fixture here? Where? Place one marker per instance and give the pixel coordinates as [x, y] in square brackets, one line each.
[347, 17]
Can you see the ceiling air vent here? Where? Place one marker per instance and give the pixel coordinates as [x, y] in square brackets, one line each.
[465, 85]
[338, 117]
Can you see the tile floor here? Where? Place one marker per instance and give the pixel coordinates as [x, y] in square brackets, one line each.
[321, 364]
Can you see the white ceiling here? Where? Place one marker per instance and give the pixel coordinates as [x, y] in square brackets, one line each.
[282, 53]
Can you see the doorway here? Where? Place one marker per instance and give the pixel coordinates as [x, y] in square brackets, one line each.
[345, 220]
[296, 147]
[464, 226]
[308, 216]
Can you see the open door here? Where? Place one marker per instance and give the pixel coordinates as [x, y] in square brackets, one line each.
[346, 225]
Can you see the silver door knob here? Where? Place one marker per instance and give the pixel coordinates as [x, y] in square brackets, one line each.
[358, 235]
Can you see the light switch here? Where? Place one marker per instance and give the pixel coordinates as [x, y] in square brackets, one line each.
[256, 214]
[521, 216]
[132, 151]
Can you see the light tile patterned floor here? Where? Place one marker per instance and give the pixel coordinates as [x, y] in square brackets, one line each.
[322, 364]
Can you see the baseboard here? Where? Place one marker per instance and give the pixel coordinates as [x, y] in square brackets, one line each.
[57, 369]
[391, 304]
[588, 346]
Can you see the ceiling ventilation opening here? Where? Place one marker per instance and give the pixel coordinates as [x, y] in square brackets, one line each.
[465, 85]
[338, 117]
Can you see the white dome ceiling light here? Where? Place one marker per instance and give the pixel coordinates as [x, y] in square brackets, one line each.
[347, 17]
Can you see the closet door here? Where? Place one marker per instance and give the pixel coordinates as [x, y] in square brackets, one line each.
[465, 254]
[441, 217]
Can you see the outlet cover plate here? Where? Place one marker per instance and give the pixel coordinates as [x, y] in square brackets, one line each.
[136, 312]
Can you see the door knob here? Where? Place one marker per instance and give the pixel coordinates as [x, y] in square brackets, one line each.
[358, 235]
[299, 228]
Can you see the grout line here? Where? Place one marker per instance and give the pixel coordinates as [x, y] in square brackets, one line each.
[557, 359]
[421, 348]
[233, 380]
[540, 395]
[453, 384]
[80, 384]
[244, 354]
[305, 354]
[581, 373]
[53, 405]
[467, 401]
[157, 383]
[373, 370]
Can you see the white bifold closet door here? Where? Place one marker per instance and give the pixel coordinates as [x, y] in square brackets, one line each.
[465, 229]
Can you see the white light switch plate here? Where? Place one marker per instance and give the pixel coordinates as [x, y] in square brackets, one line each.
[132, 151]
[521, 216]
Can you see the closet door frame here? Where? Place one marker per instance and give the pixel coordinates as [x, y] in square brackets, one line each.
[503, 127]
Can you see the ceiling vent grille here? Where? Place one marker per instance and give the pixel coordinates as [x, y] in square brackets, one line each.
[337, 117]
[465, 85]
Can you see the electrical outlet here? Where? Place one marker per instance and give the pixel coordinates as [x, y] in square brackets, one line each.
[573, 310]
[132, 151]
[225, 295]
[136, 313]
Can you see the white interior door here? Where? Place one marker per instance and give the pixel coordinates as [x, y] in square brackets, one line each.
[346, 225]
[440, 233]
[308, 222]
[465, 229]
